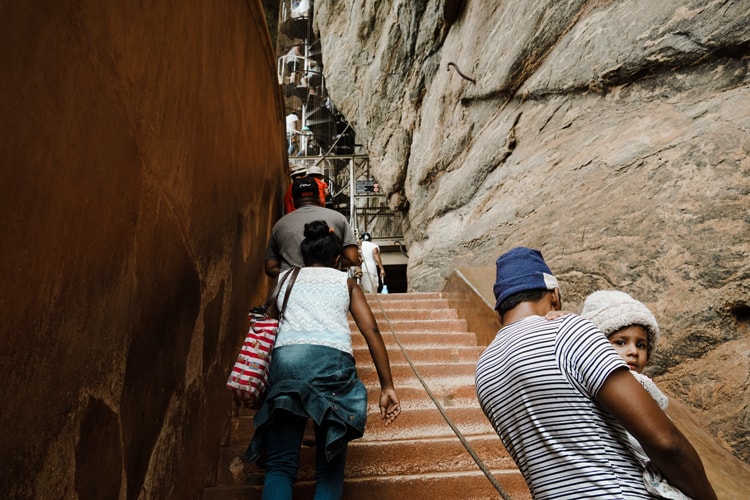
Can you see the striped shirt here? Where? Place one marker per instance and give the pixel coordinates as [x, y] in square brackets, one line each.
[537, 382]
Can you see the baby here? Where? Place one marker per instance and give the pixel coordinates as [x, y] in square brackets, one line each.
[633, 331]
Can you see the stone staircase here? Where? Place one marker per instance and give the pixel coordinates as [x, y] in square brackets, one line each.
[419, 455]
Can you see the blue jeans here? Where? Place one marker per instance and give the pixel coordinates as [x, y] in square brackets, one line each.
[282, 460]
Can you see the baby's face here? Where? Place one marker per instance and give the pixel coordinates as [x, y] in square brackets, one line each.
[631, 343]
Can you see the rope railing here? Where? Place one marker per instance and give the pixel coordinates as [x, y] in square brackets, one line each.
[482, 466]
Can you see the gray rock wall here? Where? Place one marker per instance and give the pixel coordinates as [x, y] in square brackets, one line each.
[613, 136]
[142, 161]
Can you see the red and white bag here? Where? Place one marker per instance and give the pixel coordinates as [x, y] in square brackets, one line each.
[250, 372]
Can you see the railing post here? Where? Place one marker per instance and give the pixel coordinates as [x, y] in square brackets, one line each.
[352, 187]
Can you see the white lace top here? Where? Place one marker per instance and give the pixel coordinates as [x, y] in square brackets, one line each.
[317, 310]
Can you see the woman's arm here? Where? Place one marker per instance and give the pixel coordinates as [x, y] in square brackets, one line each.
[378, 261]
[272, 267]
[350, 257]
[365, 320]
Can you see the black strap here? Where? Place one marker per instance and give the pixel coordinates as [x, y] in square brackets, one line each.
[294, 272]
[275, 293]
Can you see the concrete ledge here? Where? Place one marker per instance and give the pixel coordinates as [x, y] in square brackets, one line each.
[469, 291]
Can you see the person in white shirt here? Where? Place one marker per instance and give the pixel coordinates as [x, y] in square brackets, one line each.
[300, 9]
[292, 122]
[372, 265]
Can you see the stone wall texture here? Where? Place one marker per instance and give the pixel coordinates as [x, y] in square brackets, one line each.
[142, 158]
[613, 136]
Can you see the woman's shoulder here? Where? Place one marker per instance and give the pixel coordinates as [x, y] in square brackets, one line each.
[323, 270]
[328, 273]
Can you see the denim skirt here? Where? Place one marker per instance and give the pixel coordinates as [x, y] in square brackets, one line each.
[318, 382]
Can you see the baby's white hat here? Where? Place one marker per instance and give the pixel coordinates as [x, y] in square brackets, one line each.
[612, 310]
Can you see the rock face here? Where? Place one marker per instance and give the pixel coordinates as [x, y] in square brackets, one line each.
[719, 397]
[613, 136]
[142, 158]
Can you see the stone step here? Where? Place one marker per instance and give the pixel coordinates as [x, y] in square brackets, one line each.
[428, 423]
[417, 423]
[449, 391]
[404, 314]
[407, 303]
[414, 397]
[424, 353]
[408, 325]
[402, 372]
[365, 459]
[400, 297]
[445, 339]
[472, 485]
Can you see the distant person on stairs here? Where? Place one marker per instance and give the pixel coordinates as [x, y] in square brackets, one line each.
[297, 172]
[292, 123]
[316, 172]
[283, 250]
[561, 398]
[313, 373]
[300, 8]
[373, 272]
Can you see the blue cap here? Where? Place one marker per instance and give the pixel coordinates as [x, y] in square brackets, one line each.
[521, 269]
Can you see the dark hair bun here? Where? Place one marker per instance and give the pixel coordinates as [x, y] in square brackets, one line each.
[317, 229]
[321, 244]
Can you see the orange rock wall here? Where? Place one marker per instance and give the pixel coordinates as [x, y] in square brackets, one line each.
[142, 166]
